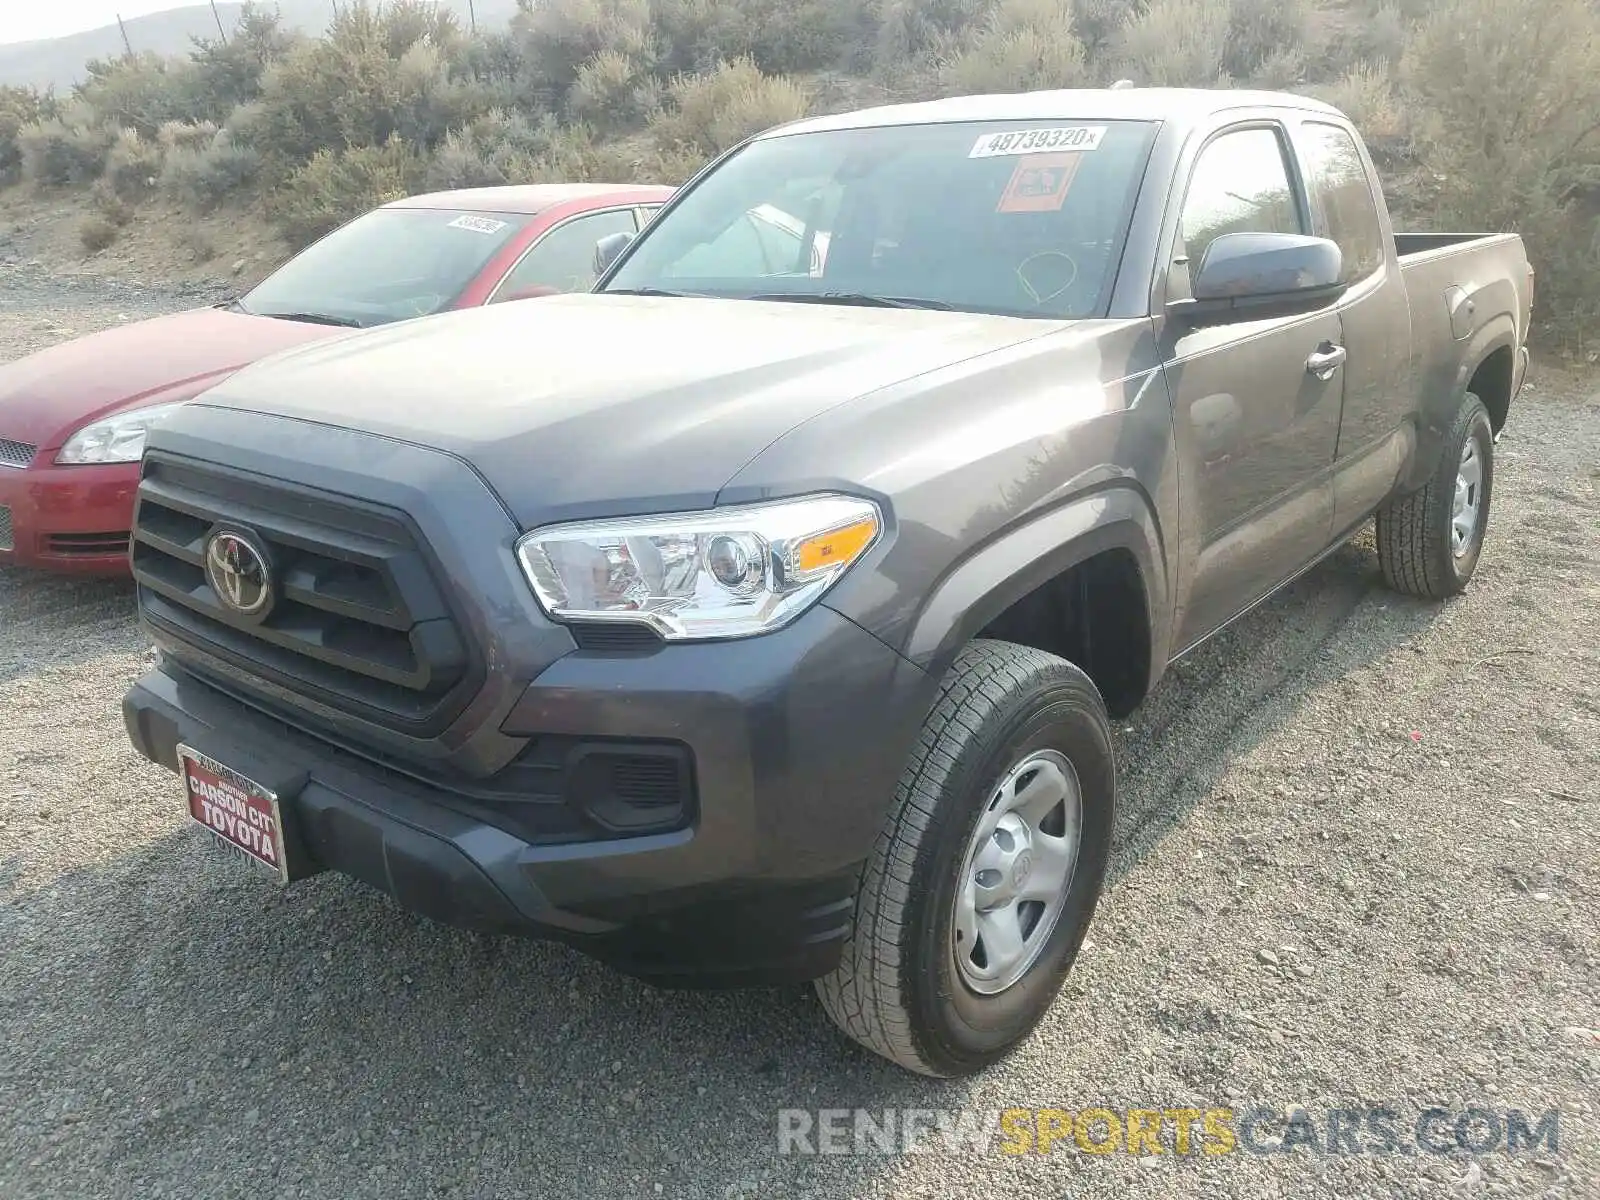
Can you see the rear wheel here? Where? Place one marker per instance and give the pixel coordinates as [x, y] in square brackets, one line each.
[986, 874]
[1430, 540]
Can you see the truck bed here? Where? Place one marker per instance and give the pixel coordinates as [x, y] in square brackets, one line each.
[1462, 288]
[1413, 245]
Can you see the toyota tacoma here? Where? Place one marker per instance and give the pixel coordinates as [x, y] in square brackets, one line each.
[760, 615]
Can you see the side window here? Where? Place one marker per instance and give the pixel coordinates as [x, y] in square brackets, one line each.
[563, 259]
[1343, 192]
[1240, 184]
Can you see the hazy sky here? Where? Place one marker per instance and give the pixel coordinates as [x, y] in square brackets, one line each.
[24, 20]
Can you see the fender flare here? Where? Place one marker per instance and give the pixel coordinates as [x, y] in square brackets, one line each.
[1440, 407]
[1006, 568]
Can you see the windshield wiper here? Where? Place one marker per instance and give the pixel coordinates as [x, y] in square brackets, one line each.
[648, 291]
[865, 299]
[315, 318]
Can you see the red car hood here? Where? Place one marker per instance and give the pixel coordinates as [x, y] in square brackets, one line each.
[48, 396]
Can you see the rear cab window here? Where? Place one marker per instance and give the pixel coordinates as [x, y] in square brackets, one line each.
[1341, 190]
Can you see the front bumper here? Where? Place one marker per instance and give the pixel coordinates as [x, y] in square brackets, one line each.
[797, 740]
[68, 519]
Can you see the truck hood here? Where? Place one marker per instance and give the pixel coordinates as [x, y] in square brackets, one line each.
[47, 396]
[586, 405]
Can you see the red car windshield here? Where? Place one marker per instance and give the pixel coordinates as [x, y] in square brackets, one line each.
[389, 265]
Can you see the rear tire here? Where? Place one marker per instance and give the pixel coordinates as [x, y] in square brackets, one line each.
[1429, 541]
[974, 851]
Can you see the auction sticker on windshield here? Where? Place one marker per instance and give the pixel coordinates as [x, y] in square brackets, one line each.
[242, 815]
[1030, 141]
[478, 224]
[1040, 183]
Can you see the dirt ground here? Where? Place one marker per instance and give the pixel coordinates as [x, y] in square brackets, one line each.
[40, 229]
[1356, 867]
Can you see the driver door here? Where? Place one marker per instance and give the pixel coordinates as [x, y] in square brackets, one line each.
[1256, 425]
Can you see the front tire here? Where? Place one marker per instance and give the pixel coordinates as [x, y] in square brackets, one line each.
[1430, 540]
[982, 883]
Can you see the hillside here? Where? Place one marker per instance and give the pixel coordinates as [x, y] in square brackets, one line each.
[58, 63]
[305, 131]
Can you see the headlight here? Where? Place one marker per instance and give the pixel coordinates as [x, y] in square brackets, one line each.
[117, 439]
[728, 572]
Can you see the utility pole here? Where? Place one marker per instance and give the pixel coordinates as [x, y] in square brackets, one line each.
[472, 14]
[216, 16]
[127, 46]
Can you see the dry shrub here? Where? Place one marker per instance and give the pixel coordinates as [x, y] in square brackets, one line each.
[496, 148]
[1025, 45]
[133, 165]
[97, 232]
[204, 178]
[1507, 97]
[558, 36]
[186, 135]
[1098, 23]
[69, 149]
[199, 241]
[1366, 95]
[612, 92]
[707, 114]
[932, 29]
[19, 108]
[140, 91]
[1265, 35]
[110, 205]
[336, 186]
[376, 75]
[1176, 43]
[1376, 34]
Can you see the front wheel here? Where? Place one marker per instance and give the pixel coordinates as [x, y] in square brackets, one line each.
[977, 895]
[1430, 540]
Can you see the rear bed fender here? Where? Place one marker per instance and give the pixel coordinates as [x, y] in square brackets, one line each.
[1442, 394]
[1013, 563]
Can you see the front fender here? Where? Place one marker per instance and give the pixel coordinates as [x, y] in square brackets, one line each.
[1006, 568]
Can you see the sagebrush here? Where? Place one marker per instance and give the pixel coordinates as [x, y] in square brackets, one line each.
[1482, 113]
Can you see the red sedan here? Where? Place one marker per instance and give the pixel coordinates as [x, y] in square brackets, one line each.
[73, 418]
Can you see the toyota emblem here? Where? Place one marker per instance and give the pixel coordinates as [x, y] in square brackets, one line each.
[237, 569]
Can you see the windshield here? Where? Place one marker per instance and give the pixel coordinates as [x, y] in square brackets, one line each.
[1021, 218]
[389, 265]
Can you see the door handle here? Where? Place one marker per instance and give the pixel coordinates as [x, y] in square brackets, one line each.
[1325, 360]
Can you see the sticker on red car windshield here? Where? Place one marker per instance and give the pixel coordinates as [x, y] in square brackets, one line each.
[478, 224]
[1039, 184]
[1028, 141]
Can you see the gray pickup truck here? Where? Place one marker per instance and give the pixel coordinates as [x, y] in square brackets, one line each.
[758, 616]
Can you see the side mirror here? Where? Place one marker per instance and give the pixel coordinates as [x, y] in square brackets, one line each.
[607, 249]
[1253, 276]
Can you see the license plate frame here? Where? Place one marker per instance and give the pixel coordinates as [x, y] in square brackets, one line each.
[244, 817]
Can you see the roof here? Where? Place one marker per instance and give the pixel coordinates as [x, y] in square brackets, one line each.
[530, 198]
[1184, 105]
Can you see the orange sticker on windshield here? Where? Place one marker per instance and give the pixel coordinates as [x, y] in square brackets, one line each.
[1040, 183]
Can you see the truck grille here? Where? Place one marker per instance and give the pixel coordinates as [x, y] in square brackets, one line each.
[15, 454]
[7, 538]
[360, 624]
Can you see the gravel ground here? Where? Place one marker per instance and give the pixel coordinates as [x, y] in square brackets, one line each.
[1357, 866]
